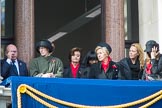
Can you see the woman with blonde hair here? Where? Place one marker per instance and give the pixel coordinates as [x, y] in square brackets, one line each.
[105, 68]
[132, 66]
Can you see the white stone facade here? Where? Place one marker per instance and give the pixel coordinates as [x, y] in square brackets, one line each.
[150, 21]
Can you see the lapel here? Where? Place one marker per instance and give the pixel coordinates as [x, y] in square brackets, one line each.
[70, 72]
[110, 65]
[20, 66]
[78, 72]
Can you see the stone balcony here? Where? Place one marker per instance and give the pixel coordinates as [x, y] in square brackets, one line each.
[5, 96]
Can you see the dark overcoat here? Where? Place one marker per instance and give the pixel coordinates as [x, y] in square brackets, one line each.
[126, 71]
[80, 73]
[6, 70]
[156, 69]
[113, 72]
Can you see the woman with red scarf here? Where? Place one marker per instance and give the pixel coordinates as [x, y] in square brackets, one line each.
[75, 69]
[153, 62]
[105, 68]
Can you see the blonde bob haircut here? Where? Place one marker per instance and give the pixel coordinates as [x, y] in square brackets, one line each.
[104, 49]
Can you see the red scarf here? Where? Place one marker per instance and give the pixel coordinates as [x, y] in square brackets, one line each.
[148, 68]
[105, 66]
[74, 70]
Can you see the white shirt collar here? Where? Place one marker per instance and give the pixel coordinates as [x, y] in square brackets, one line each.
[9, 61]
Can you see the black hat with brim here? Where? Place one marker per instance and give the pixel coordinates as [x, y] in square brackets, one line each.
[44, 43]
[150, 44]
[103, 44]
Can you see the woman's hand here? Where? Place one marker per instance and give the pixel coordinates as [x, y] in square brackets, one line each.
[48, 75]
[154, 52]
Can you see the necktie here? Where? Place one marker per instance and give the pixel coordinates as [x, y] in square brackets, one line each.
[14, 69]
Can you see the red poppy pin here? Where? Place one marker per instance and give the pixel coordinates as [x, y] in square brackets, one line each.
[53, 60]
[114, 66]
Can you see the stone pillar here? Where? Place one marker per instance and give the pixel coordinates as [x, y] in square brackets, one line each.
[24, 29]
[113, 22]
[150, 21]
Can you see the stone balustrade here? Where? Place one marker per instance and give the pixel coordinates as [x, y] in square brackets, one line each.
[5, 96]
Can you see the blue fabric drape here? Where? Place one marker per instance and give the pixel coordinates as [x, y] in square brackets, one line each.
[85, 91]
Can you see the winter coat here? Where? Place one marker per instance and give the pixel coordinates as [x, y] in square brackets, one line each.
[96, 71]
[42, 65]
[156, 69]
[6, 70]
[81, 73]
[127, 73]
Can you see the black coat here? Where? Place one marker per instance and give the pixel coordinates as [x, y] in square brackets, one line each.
[127, 73]
[113, 72]
[81, 73]
[7, 72]
[156, 69]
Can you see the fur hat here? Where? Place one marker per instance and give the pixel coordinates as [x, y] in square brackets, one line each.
[150, 44]
[103, 44]
[44, 43]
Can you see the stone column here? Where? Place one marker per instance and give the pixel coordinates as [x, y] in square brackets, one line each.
[24, 29]
[113, 22]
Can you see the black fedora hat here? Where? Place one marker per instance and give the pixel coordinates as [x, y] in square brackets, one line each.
[150, 44]
[103, 44]
[44, 43]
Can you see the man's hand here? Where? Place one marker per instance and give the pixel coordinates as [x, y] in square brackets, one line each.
[11, 55]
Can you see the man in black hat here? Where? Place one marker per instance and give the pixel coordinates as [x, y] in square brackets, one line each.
[45, 65]
[153, 62]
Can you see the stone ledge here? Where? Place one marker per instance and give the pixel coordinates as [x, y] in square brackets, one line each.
[5, 91]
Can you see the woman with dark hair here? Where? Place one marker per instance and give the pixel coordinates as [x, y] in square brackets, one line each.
[90, 58]
[75, 69]
[153, 62]
[105, 68]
